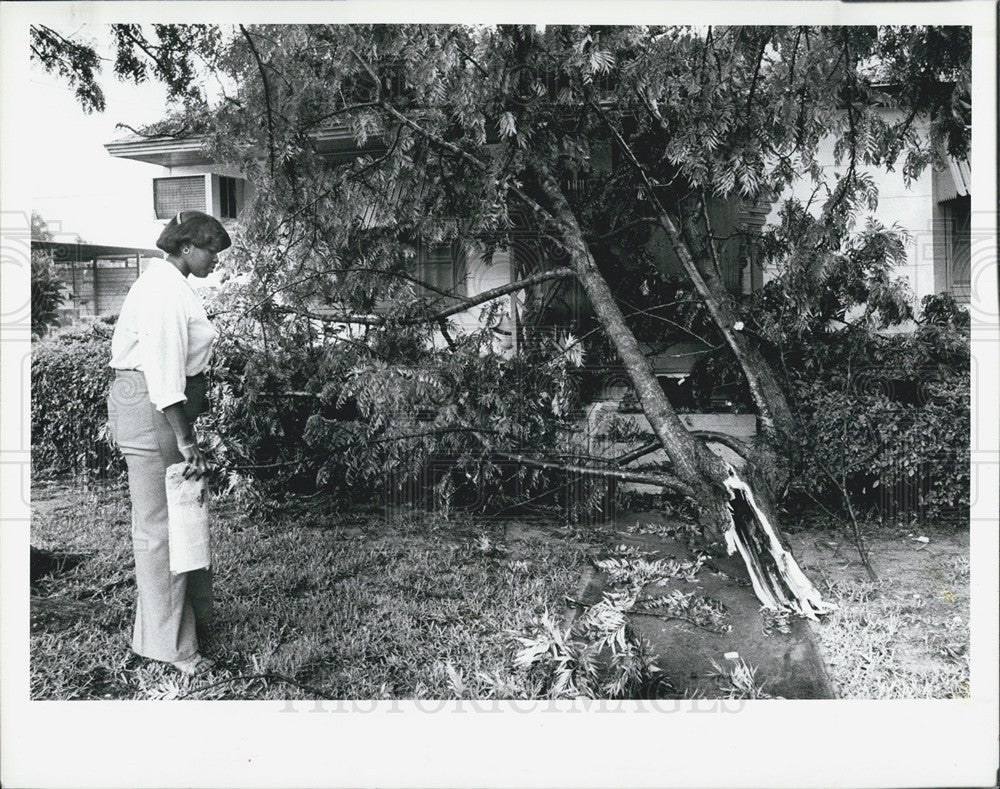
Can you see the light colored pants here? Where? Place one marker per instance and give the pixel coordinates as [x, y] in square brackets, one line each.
[169, 608]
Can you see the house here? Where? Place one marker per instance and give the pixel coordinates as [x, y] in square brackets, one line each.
[190, 180]
[934, 209]
[96, 277]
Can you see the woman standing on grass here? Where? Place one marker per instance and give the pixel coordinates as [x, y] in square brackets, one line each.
[160, 351]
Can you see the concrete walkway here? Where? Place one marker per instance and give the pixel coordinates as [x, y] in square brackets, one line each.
[788, 664]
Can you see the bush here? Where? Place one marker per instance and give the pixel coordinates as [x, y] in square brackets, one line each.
[46, 294]
[70, 379]
[901, 460]
[891, 435]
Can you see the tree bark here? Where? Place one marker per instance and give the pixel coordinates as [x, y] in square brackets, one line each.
[725, 503]
[773, 411]
[701, 471]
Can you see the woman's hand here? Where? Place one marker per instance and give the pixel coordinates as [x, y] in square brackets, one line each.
[197, 465]
[187, 441]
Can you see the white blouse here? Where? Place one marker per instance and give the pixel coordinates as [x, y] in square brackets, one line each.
[164, 332]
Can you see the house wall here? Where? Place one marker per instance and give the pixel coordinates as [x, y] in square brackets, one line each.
[910, 206]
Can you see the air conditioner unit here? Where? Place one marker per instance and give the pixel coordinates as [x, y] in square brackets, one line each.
[222, 196]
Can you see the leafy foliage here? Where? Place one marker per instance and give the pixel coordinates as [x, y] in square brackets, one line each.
[888, 430]
[70, 380]
[931, 69]
[599, 653]
[738, 680]
[76, 62]
[596, 657]
[46, 287]
[455, 129]
[171, 54]
[348, 413]
[884, 413]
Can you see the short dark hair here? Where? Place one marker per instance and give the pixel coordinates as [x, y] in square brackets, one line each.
[196, 228]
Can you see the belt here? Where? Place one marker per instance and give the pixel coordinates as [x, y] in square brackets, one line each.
[195, 377]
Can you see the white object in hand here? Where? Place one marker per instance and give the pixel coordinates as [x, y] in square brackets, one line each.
[187, 513]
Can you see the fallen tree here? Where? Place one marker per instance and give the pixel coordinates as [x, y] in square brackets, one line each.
[471, 134]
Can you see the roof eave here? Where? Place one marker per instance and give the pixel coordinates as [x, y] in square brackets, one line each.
[174, 152]
[164, 152]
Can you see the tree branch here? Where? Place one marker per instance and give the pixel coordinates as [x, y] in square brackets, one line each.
[468, 303]
[474, 62]
[712, 251]
[615, 231]
[635, 454]
[756, 74]
[661, 480]
[714, 437]
[649, 314]
[347, 270]
[350, 108]
[267, 98]
[443, 327]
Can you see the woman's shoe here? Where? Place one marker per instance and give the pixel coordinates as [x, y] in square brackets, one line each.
[194, 665]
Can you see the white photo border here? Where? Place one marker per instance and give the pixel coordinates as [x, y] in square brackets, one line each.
[772, 743]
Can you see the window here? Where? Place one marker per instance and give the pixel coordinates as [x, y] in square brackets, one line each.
[442, 267]
[170, 195]
[952, 239]
[227, 197]
[956, 215]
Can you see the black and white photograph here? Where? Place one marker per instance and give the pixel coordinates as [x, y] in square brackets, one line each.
[451, 376]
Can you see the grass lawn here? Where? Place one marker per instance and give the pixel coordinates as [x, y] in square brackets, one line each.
[353, 606]
[405, 604]
[906, 635]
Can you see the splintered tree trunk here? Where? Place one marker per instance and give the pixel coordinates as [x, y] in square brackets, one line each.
[725, 502]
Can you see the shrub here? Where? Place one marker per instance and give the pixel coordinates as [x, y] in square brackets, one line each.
[70, 379]
[891, 435]
[901, 460]
[46, 294]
